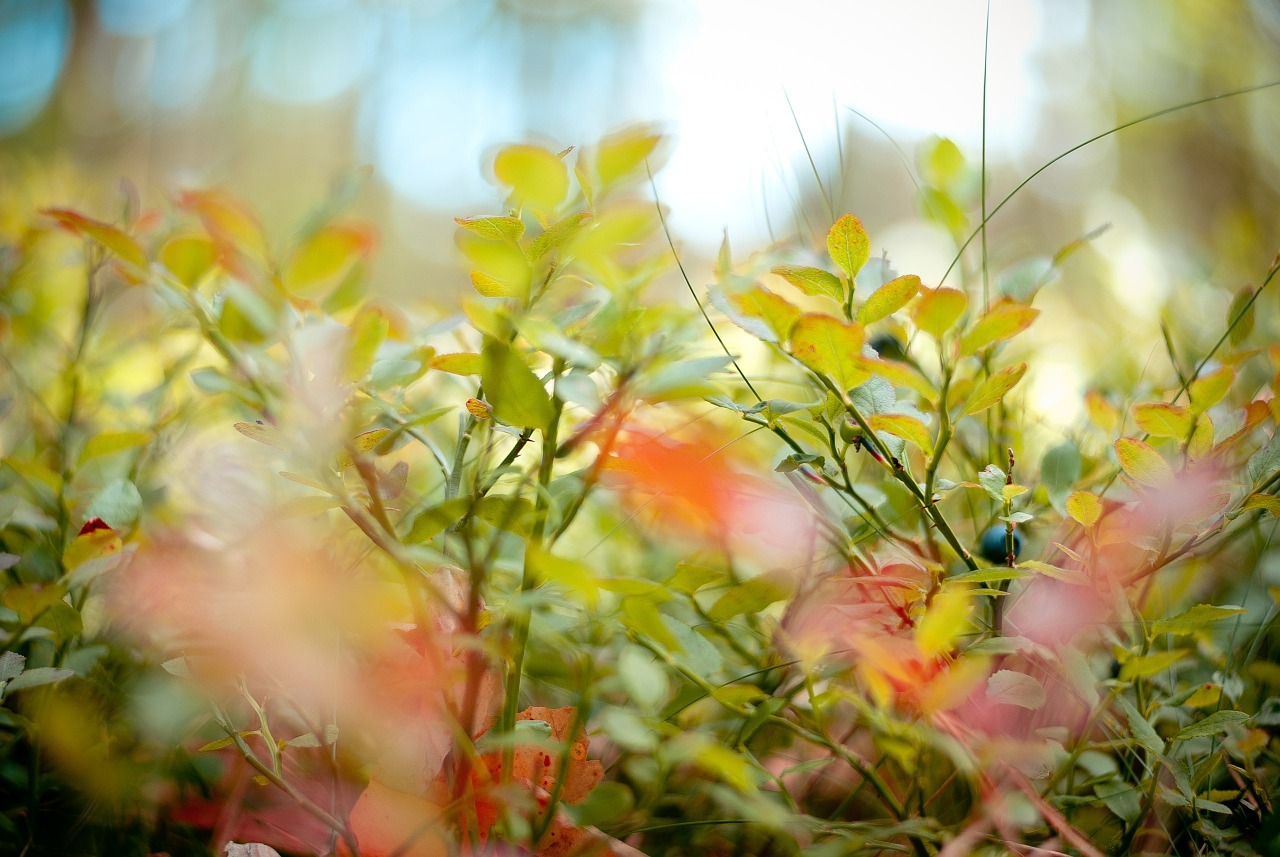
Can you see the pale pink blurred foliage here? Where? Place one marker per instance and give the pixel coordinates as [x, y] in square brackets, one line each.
[316, 629]
[701, 489]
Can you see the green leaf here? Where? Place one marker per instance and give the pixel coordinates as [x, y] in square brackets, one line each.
[1148, 665]
[938, 310]
[1142, 463]
[506, 512]
[558, 234]
[641, 615]
[830, 347]
[1212, 725]
[430, 522]
[993, 479]
[1141, 728]
[38, 677]
[517, 396]
[1015, 688]
[11, 665]
[889, 298]
[1266, 460]
[1159, 419]
[750, 596]
[994, 388]
[1207, 390]
[493, 228]
[814, 282]
[535, 176]
[217, 745]
[907, 427]
[990, 575]
[119, 504]
[109, 443]
[1121, 798]
[1240, 332]
[1004, 320]
[848, 244]
[644, 679]
[1198, 618]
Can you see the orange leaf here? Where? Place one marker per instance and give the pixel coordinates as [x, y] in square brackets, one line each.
[124, 247]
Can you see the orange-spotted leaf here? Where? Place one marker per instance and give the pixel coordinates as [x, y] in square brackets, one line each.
[1084, 507]
[814, 282]
[1141, 463]
[1159, 419]
[1004, 320]
[188, 258]
[938, 310]
[536, 176]
[321, 262]
[994, 388]
[124, 247]
[830, 347]
[889, 298]
[848, 244]
[906, 427]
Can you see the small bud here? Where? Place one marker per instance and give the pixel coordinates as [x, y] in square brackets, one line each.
[480, 410]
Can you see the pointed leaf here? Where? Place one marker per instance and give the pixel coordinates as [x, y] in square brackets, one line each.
[1198, 618]
[993, 389]
[889, 298]
[464, 363]
[493, 228]
[1212, 725]
[517, 396]
[848, 244]
[1004, 320]
[814, 282]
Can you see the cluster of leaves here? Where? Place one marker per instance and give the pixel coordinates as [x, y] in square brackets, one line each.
[543, 519]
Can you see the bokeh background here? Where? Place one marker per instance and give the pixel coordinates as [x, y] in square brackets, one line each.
[768, 107]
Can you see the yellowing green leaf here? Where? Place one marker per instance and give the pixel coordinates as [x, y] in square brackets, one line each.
[749, 596]
[619, 155]
[945, 620]
[367, 333]
[108, 443]
[1159, 419]
[814, 282]
[124, 247]
[830, 347]
[1084, 507]
[463, 363]
[938, 310]
[188, 258]
[233, 229]
[501, 265]
[906, 427]
[1207, 390]
[1148, 665]
[775, 311]
[1270, 502]
[491, 287]
[517, 396]
[325, 258]
[889, 298]
[993, 389]
[1063, 574]
[900, 375]
[493, 228]
[1141, 463]
[1004, 320]
[1212, 725]
[1201, 443]
[1198, 618]
[848, 244]
[535, 176]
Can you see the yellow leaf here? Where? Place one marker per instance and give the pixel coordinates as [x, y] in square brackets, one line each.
[848, 244]
[1201, 443]
[908, 428]
[1084, 507]
[535, 176]
[944, 621]
[1206, 391]
[321, 262]
[619, 155]
[1159, 419]
[1004, 320]
[939, 309]
[491, 287]
[1141, 463]
[889, 298]
[1104, 415]
[1270, 502]
[900, 375]
[464, 363]
[993, 389]
[773, 310]
[188, 258]
[830, 347]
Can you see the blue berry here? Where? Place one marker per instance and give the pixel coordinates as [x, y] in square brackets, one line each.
[993, 548]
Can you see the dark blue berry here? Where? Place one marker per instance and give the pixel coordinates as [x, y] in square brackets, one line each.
[993, 547]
